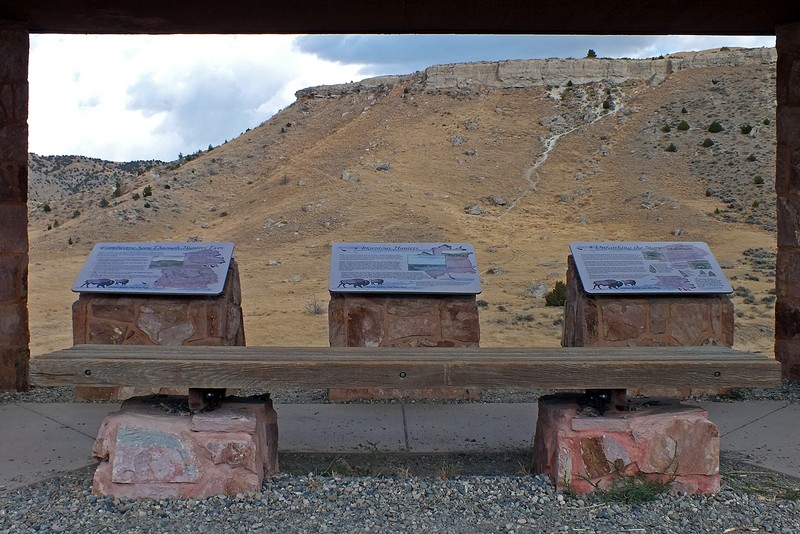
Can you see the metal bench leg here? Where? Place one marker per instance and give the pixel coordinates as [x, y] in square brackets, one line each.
[204, 400]
[607, 399]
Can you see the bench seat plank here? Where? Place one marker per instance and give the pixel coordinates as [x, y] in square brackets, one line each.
[326, 367]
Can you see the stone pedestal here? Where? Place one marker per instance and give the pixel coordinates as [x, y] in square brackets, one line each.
[157, 320]
[359, 320]
[671, 443]
[154, 448]
[645, 321]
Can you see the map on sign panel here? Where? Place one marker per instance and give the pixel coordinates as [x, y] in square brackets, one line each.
[156, 268]
[404, 268]
[648, 267]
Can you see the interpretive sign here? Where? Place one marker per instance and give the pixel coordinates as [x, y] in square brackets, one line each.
[648, 267]
[161, 268]
[404, 268]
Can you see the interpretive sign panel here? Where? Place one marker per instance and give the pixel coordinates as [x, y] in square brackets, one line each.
[160, 268]
[648, 267]
[404, 268]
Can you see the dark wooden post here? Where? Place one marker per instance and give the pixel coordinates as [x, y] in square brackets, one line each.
[787, 186]
[14, 333]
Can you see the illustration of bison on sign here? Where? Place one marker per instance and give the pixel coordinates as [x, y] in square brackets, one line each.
[98, 282]
[355, 282]
[609, 284]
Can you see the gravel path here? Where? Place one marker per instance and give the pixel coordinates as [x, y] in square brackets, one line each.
[395, 493]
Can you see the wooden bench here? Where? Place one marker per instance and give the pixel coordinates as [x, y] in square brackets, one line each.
[557, 450]
[207, 371]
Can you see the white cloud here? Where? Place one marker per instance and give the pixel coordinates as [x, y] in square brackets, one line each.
[143, 97]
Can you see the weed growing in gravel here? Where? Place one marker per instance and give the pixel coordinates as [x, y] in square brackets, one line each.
[634, 489]
[683, 126]
[449, 470]
[715, 127]
[671, 148]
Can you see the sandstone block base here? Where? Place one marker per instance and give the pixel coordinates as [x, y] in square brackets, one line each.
[669, 442]
[154, 448]
[380, 320]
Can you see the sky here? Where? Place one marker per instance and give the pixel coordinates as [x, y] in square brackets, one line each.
[123, 98]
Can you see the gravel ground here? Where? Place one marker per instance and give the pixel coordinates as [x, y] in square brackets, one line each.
[448, 503]
[378, 492]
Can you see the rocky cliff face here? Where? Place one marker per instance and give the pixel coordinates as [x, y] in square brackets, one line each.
[554, 72]
[536, 72]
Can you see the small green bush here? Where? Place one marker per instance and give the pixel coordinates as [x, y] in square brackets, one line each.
[46, 208]
[758, 180]
[755, 203]
[569, 83]
[76, 214]
[751, 157]
[103, 203]
[558, 295]
[745, 129]
[591, 54]
[708, 142]
[708, 192]
[683, 126]
[715, 127]
[766, 122]
[69, 241]
[683, 110]
[147, 191]
[671, 148]
[716, 211]
[136, 196]
[666, 128]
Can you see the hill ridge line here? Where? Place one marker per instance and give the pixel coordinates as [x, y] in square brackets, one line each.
[519, 73]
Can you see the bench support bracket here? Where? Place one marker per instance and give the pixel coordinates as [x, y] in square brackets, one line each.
[204, 400]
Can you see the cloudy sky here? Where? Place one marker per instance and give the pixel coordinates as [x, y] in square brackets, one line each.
[151, 97]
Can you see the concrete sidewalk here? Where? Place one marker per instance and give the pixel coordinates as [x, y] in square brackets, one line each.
[39, 440]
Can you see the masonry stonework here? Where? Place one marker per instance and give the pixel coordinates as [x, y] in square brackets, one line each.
[643, 320]
[154, 448]
[158, 320]
[358, 320]
[14, 331]
[787, 186]
[672, 443]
